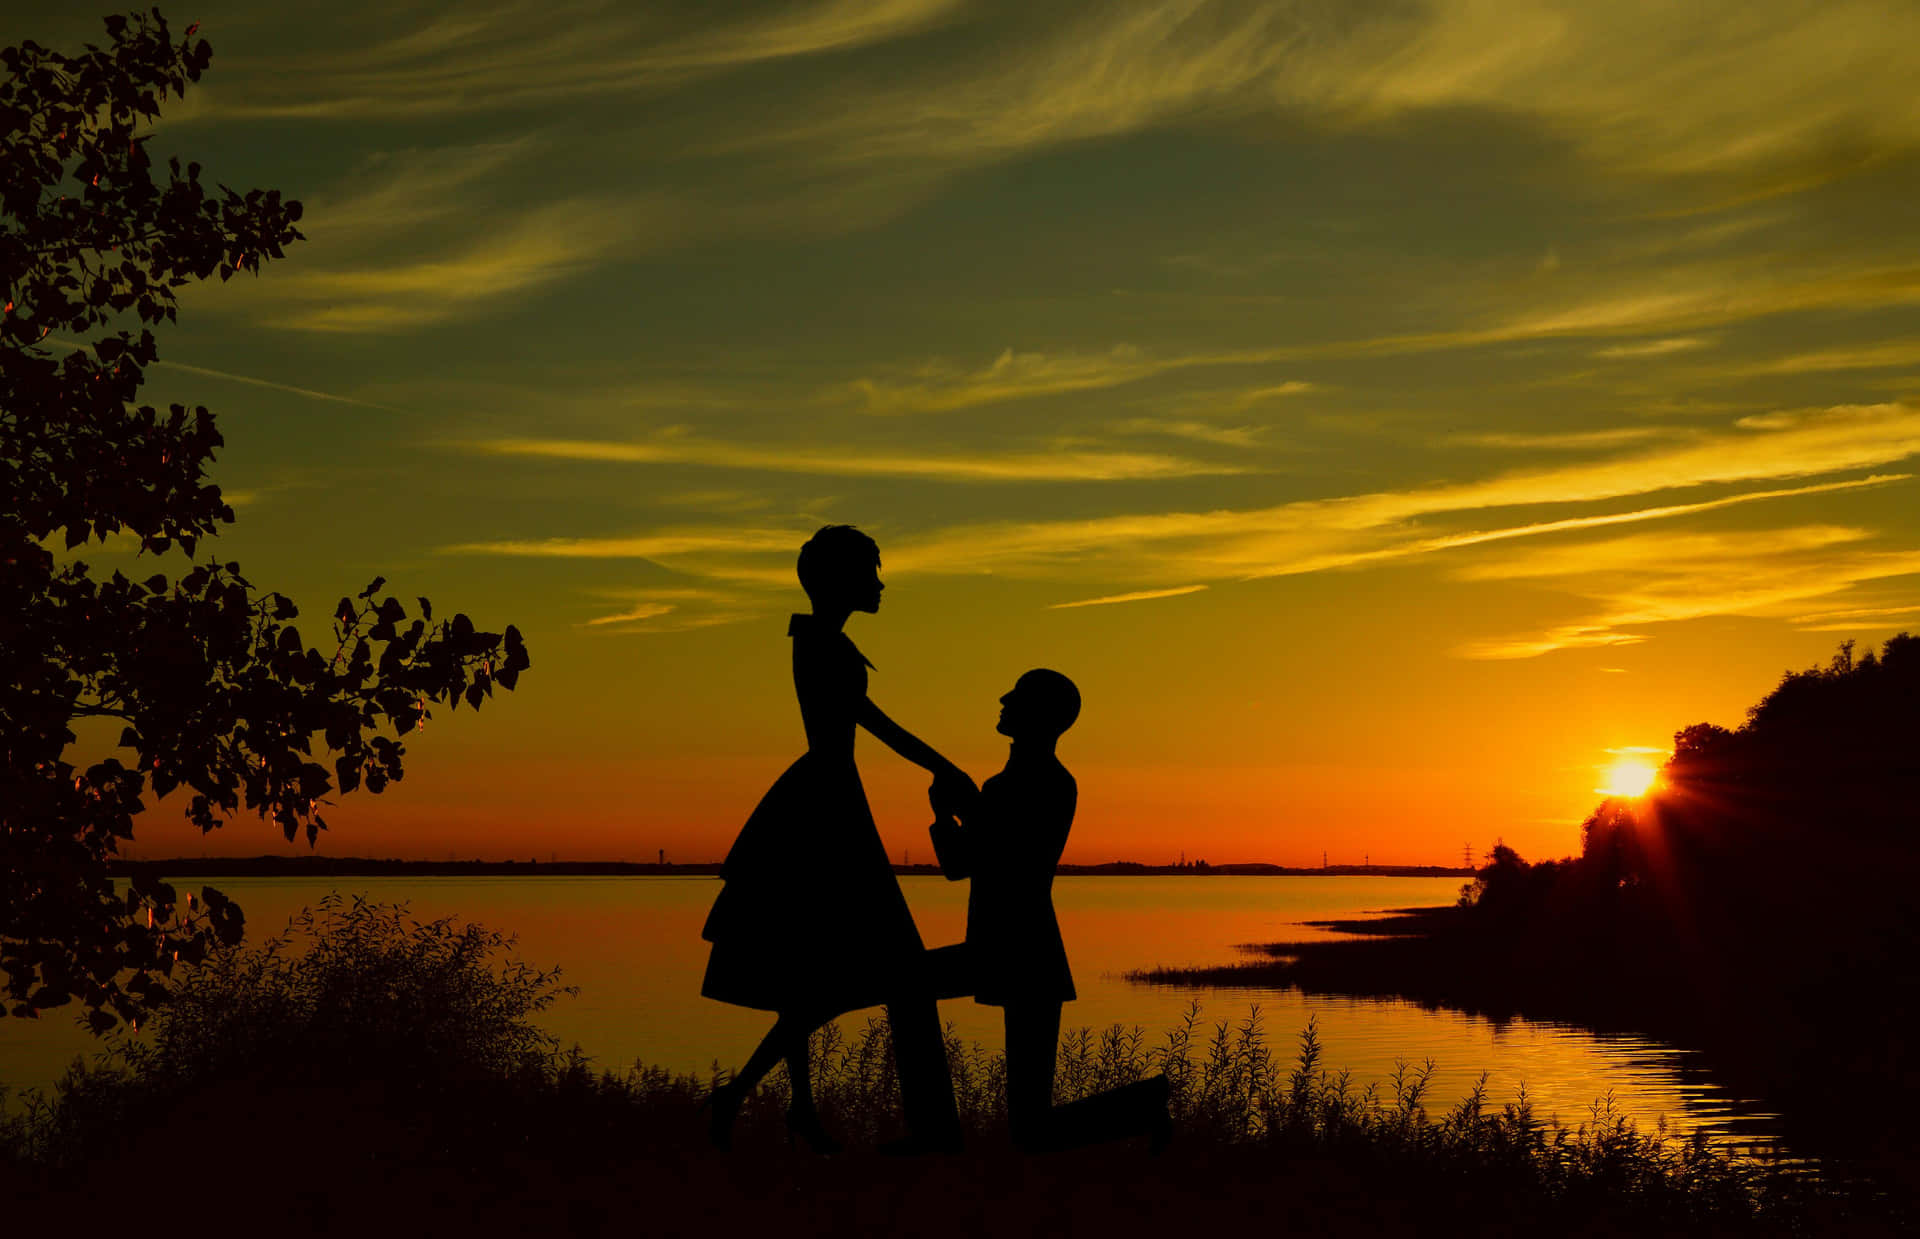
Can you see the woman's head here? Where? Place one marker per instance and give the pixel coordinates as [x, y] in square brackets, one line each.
[840, 567]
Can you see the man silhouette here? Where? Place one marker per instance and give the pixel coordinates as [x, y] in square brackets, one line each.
[1007, 838]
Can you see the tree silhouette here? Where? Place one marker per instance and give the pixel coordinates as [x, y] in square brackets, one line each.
[214, 691]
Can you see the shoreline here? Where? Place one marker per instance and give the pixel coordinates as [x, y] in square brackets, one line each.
[1837, 1100]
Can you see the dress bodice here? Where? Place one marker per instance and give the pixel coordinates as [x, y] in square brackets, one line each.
[830, 680]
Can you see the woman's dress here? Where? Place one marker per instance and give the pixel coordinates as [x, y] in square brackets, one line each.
[810, 916]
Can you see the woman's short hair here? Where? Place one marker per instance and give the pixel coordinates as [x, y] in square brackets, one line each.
[835, 557]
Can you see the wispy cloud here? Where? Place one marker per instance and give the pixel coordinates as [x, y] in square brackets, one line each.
[952, 466]
[675, 608]
[1653, 348]
[474, 59]
[645, 610]
[1724, 85]
[1569, 440]
[1172, 549]
[372, 291]
[939, 387]
[1650, 579]
[1859, 357]
[1257, 395]
[1857, 618]
[1200, 432]
[1142, 595]
[667, 544]
[1292, 539]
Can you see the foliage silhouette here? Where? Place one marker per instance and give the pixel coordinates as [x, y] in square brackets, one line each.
[215, 692]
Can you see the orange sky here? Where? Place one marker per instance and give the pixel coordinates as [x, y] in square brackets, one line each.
[1384, 416]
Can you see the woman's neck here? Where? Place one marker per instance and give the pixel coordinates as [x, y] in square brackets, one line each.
[834, 620]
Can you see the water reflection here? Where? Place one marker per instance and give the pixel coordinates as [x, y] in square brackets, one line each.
[632, 945]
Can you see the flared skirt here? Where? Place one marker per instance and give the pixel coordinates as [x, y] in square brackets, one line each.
[810, 917]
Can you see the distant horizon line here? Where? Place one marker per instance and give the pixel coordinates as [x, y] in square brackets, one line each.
[345, 865]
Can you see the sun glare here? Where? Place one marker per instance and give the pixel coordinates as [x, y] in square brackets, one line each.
[1630, 776]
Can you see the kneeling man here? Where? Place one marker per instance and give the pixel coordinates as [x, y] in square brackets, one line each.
[1007, 838]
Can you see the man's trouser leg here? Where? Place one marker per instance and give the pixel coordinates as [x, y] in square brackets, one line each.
[1033, 1041]
[1033, 1037]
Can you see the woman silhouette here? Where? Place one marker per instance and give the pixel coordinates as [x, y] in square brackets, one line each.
[810, 922]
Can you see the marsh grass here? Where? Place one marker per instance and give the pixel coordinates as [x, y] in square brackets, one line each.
[363, 1019]
[1229, 1089]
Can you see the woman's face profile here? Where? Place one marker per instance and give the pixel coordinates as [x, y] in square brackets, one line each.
[867, 591]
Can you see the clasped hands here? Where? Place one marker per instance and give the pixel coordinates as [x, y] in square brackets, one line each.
[951, 797]
[952, 793]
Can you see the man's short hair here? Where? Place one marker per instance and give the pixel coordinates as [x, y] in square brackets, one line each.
[833, 557]
[1057, 700]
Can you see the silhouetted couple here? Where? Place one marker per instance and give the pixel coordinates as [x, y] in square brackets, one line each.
[810, 922]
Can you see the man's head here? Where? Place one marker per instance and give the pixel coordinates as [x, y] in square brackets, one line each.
[840, 567]
[1041, 706]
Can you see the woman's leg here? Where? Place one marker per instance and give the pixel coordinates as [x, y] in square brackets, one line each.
[786, 1039]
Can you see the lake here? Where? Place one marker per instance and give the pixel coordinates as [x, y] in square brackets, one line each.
[632, 946]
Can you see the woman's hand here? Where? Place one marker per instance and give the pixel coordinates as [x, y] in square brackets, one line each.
[953, 791]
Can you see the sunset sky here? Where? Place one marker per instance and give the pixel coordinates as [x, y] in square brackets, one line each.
[1389, 413]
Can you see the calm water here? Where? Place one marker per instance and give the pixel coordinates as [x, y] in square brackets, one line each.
[632, 945]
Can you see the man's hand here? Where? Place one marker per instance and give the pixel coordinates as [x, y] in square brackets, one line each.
[952, 793]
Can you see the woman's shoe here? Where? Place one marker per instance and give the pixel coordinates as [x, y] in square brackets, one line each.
[722, 1106]
[806, 1126]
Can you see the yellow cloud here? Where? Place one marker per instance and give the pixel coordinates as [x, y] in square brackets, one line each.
[646, 610]
[1143, 595]
[1570, 440]
[851, 462]
[1166, 552]
[663, 545]
[1661, 579]
[467, 59]
[1860, 357]
[540, 247]
[1653, 348]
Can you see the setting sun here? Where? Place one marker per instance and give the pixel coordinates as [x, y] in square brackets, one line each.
[1630, 776]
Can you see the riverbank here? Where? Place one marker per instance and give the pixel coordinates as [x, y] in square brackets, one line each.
[1798, 1032]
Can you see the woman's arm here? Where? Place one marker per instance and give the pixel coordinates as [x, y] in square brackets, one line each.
[908, 745]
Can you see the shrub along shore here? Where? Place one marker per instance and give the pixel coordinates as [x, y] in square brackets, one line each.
[385, 1074]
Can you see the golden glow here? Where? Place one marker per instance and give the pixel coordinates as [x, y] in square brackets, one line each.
[1630, 776]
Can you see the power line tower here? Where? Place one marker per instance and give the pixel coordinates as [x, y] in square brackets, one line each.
[1323, 859]
[1466, 855]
